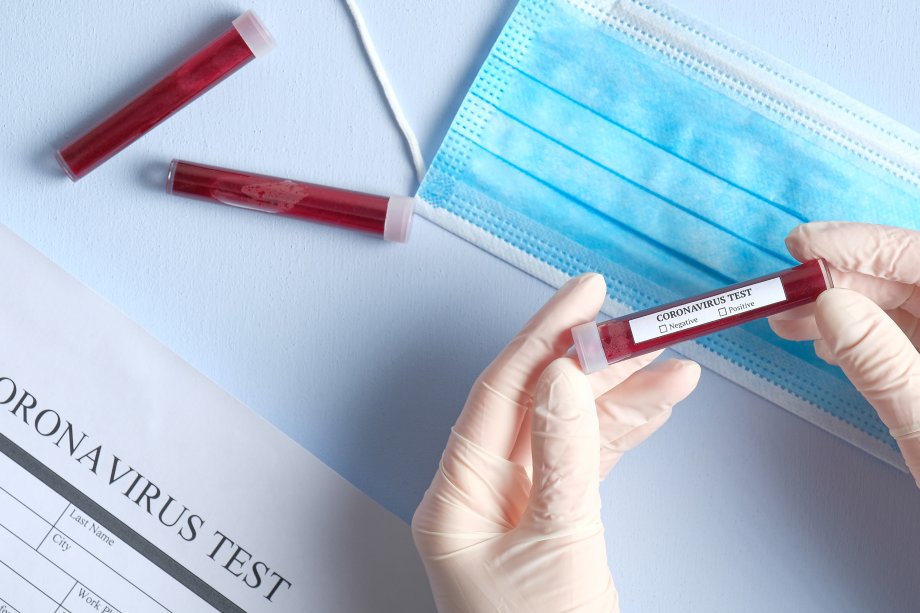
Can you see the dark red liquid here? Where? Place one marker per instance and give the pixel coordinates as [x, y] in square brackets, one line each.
[339, 207]
[802, 285]
[198, 74]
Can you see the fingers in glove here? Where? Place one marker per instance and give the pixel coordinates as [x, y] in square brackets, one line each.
[879, 251]
[501, 396]
[909, 324]
[887, 294]
[601, 383]
[474, 494]
[880, 361]
[634, 410]
[521, 453]
[804, 329]
[824, 352]
[881, 262]
[796, 324]
[606, 379]
[566, 451]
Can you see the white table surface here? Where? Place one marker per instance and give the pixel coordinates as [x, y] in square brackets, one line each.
[337, 338]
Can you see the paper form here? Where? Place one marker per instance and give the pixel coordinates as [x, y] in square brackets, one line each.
[130, 482]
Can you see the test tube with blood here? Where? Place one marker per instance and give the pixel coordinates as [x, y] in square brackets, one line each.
[245, 40]
[387, 216]
[598, 345]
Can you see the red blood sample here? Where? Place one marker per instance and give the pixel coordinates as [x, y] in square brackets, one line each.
[625, 337]
[245, 40]
[389, 217]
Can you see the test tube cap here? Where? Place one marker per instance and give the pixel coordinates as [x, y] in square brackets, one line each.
[588, 347]
[254, 33]
[398, 221]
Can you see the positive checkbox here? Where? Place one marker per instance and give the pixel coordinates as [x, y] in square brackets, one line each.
[723, 312]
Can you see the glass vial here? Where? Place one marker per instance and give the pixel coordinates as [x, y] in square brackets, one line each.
[598, 345]
[388, 217]
[246, 39]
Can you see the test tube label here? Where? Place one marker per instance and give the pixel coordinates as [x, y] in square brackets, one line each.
[678, 318]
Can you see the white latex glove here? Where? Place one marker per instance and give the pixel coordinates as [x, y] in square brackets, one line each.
[512, 520]
[870, 328]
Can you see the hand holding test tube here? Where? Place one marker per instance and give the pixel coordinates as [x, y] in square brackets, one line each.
[512, 519]
[870, 324]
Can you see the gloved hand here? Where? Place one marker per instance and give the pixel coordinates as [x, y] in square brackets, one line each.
[869, 327]
[512, 521]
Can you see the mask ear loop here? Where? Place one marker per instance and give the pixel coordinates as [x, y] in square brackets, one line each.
[411, 141]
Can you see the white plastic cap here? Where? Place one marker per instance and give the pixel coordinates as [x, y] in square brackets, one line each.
[398, 221]
[254, 33]
[588, 347]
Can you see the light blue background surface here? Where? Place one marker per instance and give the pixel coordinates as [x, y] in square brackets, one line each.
[363, 351]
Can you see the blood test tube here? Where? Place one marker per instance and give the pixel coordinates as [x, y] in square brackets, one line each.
[246, 39]
[389, 217]
[598, 345]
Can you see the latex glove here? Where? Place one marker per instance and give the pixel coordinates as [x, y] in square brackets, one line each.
[870, 329]
[512, 520]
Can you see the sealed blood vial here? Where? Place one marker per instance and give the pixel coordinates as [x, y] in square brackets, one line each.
[245, 40]
[387, 216]
[598, 345]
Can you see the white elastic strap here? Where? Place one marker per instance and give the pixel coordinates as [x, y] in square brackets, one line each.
[388, 92]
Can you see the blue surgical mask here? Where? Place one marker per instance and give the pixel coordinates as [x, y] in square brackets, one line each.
[624, 138]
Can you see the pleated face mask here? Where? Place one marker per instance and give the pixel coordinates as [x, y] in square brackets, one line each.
[624, 138]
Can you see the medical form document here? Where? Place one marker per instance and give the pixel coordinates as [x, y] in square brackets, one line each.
[130, 482]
